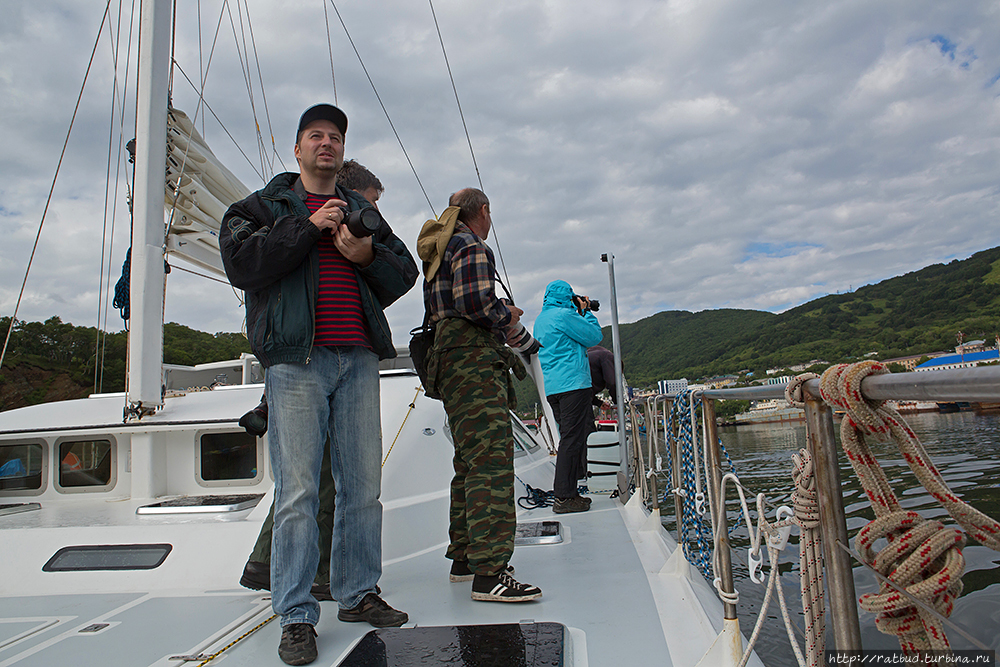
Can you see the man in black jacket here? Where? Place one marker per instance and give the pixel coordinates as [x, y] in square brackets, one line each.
[257, 571]
[315, 292]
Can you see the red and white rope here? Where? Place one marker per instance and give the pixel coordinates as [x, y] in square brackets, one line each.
[922, 557]
[806, 508]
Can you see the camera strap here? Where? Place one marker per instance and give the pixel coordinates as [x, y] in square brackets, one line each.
[506, 291]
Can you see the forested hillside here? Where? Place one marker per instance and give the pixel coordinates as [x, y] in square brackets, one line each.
[54, 360]
[914, 313]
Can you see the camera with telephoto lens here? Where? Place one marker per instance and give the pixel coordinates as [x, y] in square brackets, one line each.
[595, 305]
[520, 338]
[363, 222]
[523, 341]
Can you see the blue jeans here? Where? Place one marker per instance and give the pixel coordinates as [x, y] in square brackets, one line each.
[337, 393]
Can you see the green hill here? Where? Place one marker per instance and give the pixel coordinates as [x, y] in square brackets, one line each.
[914, 313]
[54, 360]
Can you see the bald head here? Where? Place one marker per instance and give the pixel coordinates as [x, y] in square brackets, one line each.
[473, 210]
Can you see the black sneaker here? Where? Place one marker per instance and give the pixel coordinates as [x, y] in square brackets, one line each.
[502, 588]
[460, 571]
[298, 644]
[567, 505]
[321, 592]
[256, 576]
[376, 611]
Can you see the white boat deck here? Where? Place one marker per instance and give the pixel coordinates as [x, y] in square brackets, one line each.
[594, 583]
[615, 582]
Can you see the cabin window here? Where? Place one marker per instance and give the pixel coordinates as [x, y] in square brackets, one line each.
[228, 458]
[86, 465]
[22, 468]
[90, 557]
[523, 442]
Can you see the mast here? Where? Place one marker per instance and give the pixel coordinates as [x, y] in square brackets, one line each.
[145, 342]
[617, 350]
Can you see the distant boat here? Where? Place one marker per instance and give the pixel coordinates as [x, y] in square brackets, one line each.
[769, 412]
[913, 407]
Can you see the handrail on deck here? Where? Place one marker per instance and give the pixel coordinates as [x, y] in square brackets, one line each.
[981, 384]
[963, 384]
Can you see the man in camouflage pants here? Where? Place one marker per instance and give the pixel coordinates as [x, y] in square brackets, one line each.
[469, 367]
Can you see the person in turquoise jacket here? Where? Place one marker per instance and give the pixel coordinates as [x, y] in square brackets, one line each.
[566, 327]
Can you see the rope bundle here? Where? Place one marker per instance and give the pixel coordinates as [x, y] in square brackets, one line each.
[696, 529]
[922, 556]
[806, 507]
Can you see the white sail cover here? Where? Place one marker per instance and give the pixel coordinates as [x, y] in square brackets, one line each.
[198, 191]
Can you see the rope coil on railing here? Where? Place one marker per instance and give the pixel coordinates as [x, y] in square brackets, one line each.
[806, 507]
[774, 536]
[922, 556]
[696, 529]
[793, 390]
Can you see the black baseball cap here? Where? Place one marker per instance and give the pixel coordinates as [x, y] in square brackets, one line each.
[322, 112]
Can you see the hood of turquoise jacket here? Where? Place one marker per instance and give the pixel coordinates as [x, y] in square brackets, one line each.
[558, 294]
[565, 335]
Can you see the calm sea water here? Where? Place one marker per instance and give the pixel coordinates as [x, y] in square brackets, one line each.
[963, 445]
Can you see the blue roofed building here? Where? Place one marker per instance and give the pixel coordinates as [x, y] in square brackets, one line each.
[952, 361]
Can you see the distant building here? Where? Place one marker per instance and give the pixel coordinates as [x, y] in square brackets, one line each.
[672, 386]
[910, 362]
[784, 379]
[971, 346]
[721, 381]
[952, 361]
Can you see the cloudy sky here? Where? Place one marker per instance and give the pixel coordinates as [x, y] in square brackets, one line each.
[728, 153]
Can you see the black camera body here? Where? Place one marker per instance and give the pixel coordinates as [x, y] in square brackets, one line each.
[363, 222]
[595, 305]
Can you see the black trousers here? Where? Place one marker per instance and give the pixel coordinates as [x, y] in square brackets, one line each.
[574, 417]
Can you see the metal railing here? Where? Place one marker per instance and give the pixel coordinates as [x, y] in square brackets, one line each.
[973, 385]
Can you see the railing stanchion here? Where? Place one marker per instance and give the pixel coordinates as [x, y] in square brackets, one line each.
[719, 523]
[653, 449]
[675, 469]
[840, 576]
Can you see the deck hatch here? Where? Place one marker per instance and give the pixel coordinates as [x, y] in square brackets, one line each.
[508, 644]
[203, 504]
[91, 557]
[17, 508]
[538, 532]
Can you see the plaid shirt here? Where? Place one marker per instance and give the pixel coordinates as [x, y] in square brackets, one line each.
[464, 285]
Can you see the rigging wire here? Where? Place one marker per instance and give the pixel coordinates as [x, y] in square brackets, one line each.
[379, 98]
[496, 238]
[48, 200]
[244, 51]
[263, 97]
[229, 134]
[107, 240]
[201, 60]
[329, 47]
[174, 267]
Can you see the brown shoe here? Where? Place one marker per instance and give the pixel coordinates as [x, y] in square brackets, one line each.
[321, 592]
[567, 505]
[375, 611]
[256, 576]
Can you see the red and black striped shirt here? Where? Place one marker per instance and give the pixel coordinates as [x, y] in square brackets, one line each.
[339, 318]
